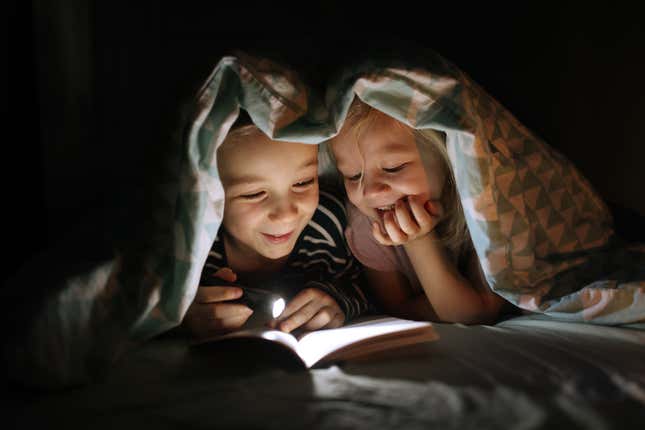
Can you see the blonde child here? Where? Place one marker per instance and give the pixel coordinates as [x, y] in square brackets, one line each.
[406, 224]
[276, 223]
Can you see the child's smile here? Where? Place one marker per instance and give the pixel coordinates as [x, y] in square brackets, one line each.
[381, 211]
[385, 208]
[278, 238]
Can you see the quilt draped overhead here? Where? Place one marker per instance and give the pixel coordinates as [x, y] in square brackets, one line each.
[543, 236]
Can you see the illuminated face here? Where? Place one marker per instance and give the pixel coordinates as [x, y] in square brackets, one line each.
[271, 193]
[384, 166]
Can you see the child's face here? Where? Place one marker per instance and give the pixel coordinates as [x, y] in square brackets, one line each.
[271, 191]
[384, 166]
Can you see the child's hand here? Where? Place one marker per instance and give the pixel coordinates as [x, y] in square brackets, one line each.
[411, 219]
[311, 309]
[209, 314]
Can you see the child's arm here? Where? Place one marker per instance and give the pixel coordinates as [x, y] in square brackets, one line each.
[455, 297]
[392, 292]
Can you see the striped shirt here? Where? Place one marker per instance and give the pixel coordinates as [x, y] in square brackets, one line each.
[320, 258]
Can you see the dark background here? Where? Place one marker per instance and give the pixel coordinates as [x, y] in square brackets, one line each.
[95, 88]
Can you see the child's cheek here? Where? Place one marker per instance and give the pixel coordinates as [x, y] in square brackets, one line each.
[413, 182]
[308, 201]
[356, 198]
[354, 194]
[245, 213]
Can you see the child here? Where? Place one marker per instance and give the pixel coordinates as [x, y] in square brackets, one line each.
[275, 224]
[406, 224]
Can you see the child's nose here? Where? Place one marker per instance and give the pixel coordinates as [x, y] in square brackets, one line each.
[283, 210]
[374, 187]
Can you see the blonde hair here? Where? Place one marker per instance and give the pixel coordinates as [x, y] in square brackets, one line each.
[451, 230]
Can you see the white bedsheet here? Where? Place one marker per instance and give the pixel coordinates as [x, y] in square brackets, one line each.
[523, 373]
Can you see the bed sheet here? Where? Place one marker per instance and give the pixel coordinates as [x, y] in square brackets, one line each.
[524, 373]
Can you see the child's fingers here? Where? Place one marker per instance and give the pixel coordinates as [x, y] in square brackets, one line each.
[201, 323]
[337, 321]
[423, 218]
[379, 235]
[226, 274]
[404, 217]
[232, 323]
[300, 317]
[392, 229]
[301, 299]
[320, 319]
[327, 317]
[224, 311]
[435, 208]
[217, 294]
[219, 311]
[308, 304]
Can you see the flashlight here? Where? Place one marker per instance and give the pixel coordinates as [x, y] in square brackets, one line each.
[260, 300]
[264, 301]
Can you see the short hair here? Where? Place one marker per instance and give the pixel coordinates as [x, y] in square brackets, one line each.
[242, 127]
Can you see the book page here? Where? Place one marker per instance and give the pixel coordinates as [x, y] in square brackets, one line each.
[363, 336]
[285, 339]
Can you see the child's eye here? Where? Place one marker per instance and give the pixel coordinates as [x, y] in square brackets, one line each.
[303, 184]
[395, 168]
[253, 196]
[354, 178]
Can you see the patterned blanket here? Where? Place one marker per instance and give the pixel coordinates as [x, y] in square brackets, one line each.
[543, 236]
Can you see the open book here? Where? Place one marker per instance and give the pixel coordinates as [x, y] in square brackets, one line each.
[358, 339]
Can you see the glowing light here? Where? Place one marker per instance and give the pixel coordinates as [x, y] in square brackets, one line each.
[278, 307]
